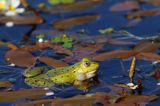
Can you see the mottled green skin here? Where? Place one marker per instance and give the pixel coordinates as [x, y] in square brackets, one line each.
[74, 74]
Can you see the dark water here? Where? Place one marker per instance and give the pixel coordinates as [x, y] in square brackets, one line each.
[147, 27]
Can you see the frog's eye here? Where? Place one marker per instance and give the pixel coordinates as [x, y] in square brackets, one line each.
[87, 64]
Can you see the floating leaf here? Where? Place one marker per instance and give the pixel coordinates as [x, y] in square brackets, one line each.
[5, 84]
[55, 2]
[37, 102]
[123, 6]
[21, 20]
[9, 45]
[52, 62]
[146, 47]
[76, 6]
[73, 21]
[122, 54]
[12, 96]
[133, 99]
[155, 2]
[108, 40]
[148, 56]
[156, 74]
[142, 13]
[20, 58]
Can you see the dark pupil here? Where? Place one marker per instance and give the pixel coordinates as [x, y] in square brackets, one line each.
[87, 64]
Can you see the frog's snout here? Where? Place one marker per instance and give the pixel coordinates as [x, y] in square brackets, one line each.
[96, 65]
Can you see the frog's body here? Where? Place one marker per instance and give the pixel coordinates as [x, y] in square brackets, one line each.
[74, 74]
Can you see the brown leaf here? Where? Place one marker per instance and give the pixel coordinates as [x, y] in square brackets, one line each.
[122, 54]
[5, 84]
[148, 56]
[58, 48]
[30, 48]
[73, 21]
[35, 103]
[142, 13]
[123, 6]
[146, 47]
[137, 99]
[154, 2]
[20, 58]
[104, 39]
[62, 50]
[88, 47]
[21, 20]
[76, 6]
[52, 62]
[12, 96]
[156, 74]
[121, 85]
[9, 45]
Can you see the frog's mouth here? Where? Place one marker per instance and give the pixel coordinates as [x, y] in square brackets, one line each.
[84, 76]
[91, 74]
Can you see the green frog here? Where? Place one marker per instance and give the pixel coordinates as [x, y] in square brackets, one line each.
[75, 74]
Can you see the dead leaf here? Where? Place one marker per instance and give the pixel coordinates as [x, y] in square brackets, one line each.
[21, 19]
[146, 47]
[76, 6]
[20, 58]
[142, 13]
[148, 56]
[73, 21]
[109, 40]
[154, 2]
[58, 48]
[6, 84]
[52, 62]
[12, 96]
[156, 74]
[9, 45]
[121, 54]
[37, 103]
[124, 6]
[137, 99]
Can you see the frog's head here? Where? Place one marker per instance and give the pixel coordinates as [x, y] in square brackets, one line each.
[87, 69]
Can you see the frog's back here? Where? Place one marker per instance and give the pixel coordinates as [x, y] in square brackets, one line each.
[59, 71]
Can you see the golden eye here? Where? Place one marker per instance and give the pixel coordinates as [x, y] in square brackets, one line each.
[87, 64]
